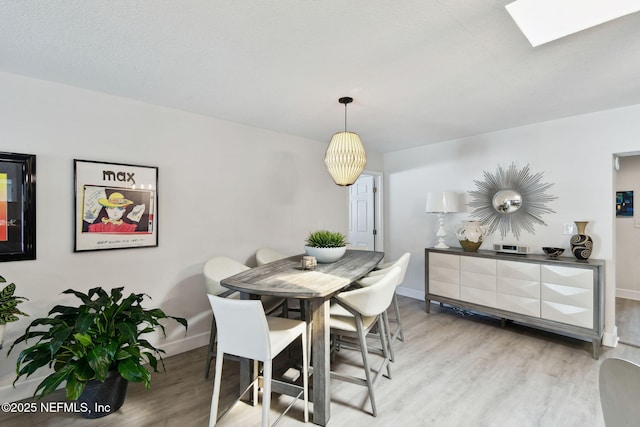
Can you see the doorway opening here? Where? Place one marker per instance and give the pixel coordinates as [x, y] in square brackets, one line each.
[627, 233]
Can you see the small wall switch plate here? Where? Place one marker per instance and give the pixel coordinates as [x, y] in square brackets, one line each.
[567, 228]
[636, 223]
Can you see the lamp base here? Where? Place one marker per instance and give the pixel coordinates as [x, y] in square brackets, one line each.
[442, 233]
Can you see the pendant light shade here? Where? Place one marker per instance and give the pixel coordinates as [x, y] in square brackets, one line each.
[345, 157]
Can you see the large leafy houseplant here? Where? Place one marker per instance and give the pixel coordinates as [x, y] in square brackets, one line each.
[86, 342]
[9, 310]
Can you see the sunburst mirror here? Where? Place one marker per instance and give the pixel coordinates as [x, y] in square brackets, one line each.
[512, 200]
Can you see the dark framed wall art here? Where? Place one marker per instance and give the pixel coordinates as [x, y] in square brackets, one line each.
[624, 203]
[116, 206]
[17, 207]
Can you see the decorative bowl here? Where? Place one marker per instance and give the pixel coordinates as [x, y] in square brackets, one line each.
[552, 252]
[469, 246]
[326, 255]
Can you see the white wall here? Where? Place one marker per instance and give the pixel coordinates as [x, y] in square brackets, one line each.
[575, 154]
[627, 234]
[224, 188]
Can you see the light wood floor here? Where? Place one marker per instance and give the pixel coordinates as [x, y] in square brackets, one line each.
[453, 370]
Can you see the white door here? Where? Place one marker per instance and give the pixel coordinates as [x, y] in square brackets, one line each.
[362, 213]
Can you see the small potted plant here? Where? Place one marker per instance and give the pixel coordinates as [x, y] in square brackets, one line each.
[97, 347]
[326, 246]
[9, 306]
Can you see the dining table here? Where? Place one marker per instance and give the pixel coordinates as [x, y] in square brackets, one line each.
[314, 287]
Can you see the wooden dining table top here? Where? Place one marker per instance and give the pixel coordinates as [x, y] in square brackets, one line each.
[286, 278]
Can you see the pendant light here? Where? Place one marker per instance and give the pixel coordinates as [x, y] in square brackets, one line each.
[345, 157]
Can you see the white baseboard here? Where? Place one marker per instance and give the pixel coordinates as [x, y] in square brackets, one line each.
[185, 344]
[628, 294]
[611, 339]
[411, 293]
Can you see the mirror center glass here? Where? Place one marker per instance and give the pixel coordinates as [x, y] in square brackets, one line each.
[507, 201]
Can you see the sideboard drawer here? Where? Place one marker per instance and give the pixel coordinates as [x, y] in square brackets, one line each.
[569, 314]
[574, 277]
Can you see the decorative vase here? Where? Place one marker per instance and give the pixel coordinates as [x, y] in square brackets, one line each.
[470, 235]
[326, 255]
[469, 246]
[581, 244]
[104, 398]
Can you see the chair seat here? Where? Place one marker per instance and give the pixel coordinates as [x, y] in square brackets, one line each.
[338, 310]
[282, 332]
[348, 323]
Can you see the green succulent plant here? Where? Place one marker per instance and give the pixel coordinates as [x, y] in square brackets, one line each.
[9, 303]
[86, 342]
[326, 239]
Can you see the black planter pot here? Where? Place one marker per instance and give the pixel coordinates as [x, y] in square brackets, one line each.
[103, 398]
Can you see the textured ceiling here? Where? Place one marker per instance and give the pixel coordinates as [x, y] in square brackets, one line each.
[420, 71]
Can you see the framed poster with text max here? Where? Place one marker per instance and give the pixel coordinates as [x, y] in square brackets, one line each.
[17, 207]
[116, 206]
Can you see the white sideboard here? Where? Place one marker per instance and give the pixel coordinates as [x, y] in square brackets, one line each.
[562, 294]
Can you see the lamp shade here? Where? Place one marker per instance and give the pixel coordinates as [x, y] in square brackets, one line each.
[442, 202]
[345, 158]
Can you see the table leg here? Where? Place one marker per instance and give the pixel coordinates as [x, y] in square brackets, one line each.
[321, 398]
[246, 367]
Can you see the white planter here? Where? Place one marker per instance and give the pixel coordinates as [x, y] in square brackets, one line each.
[2, 325]
[326, 255]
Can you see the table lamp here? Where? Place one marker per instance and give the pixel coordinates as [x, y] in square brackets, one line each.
[442, 202]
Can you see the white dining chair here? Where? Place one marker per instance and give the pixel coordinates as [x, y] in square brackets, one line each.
[365, 307]
[403, 263]
[266, 255]
[619, 382]
[214, 271]
[245, 331]
[373, 277]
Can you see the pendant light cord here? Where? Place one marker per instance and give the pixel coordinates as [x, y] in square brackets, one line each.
[345, 100]
[345, 117]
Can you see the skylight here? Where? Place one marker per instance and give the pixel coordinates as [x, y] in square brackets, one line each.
[543, 21]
